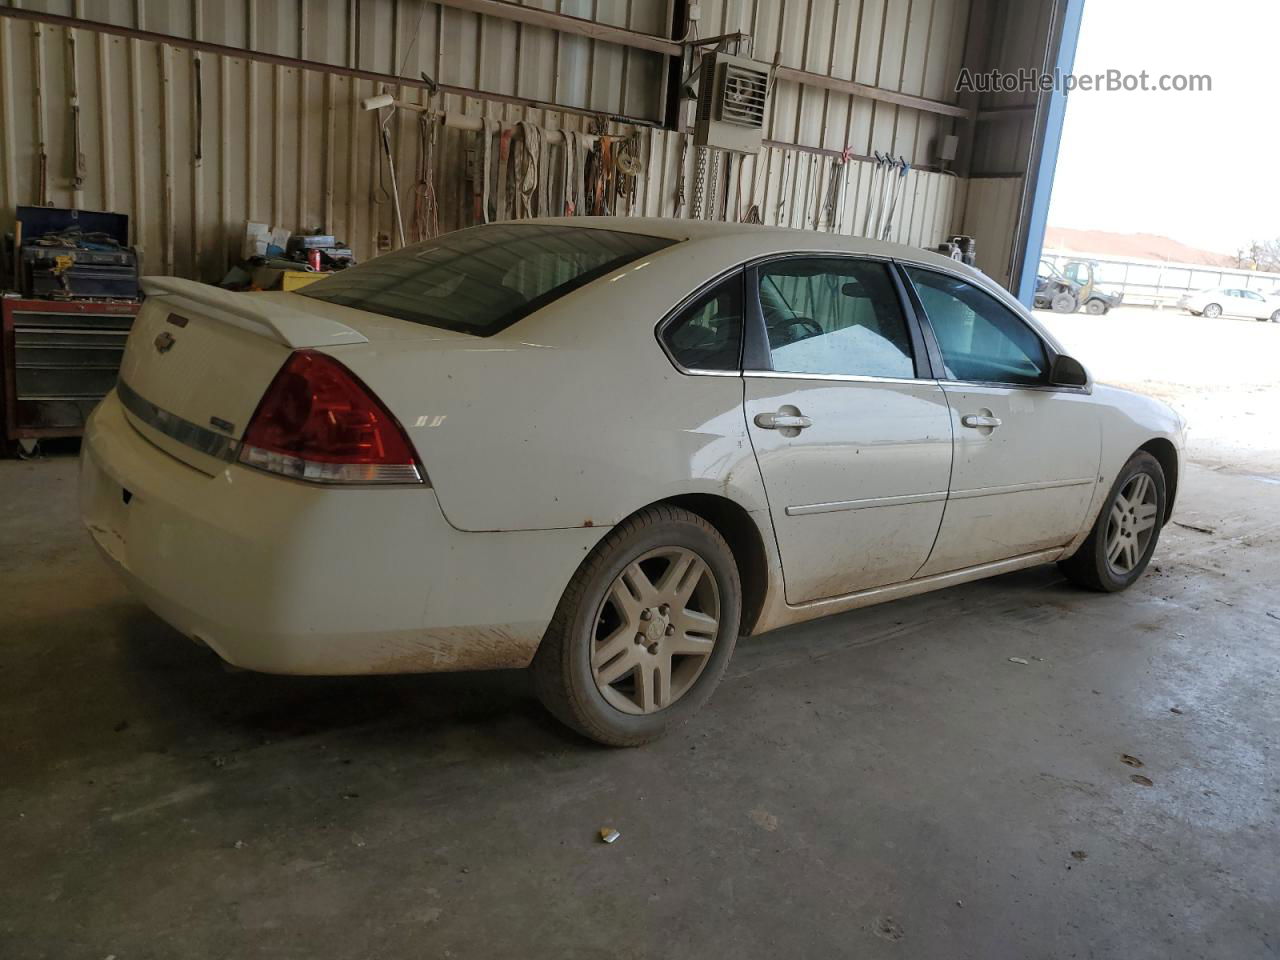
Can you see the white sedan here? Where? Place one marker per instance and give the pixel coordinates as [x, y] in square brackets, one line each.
[606, 448]
[1232, 302]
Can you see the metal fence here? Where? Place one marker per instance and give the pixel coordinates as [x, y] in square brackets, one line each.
[1159, 284]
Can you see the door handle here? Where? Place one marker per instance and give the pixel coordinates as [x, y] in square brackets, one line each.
[781, 421]
[973, 420]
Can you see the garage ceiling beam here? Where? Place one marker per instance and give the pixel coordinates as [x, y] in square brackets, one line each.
[566, 24]
[1007, 113]
[853, 88]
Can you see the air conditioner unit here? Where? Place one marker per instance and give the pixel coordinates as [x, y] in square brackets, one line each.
[733, 95]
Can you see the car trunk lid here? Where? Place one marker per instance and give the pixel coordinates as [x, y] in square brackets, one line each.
[200, 358]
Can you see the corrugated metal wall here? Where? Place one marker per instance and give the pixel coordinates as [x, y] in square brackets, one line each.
[289, 144]
[406, 37]
[1003, 141]
[907, 46]
[991, 208]
[193, 144]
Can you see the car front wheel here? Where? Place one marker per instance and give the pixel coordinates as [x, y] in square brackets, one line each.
[644, 630]
[1212, 310]
[1124, 536]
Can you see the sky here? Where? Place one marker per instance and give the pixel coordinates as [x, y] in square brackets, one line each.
[1198, 167]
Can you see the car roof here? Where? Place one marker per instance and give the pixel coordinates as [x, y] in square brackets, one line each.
[764, 239]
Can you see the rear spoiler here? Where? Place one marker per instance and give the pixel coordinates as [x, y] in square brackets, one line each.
[293, 328]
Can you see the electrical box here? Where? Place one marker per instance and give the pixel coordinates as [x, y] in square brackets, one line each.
[733, 97]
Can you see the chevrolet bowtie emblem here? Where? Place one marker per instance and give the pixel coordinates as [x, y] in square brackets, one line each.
[164, 342]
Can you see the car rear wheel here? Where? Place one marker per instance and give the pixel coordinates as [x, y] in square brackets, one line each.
[1212, 310]
[1275, 317]
[644, 630]
[1124, 536]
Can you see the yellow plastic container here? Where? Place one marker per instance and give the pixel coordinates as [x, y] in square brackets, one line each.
[297, 279]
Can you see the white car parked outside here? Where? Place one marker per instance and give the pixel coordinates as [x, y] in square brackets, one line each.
[605, 448]
[1232, 302]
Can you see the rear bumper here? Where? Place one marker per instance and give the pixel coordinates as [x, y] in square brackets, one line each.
[281, 576]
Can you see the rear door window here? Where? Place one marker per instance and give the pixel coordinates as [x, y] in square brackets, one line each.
[835, 316]
[486, 278]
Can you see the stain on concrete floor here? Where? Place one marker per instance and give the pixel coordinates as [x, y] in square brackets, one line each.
[882, 783]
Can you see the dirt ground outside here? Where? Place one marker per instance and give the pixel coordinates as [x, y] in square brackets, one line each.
[1223, 375]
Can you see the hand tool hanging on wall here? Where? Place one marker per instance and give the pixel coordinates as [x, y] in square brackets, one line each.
[78, 164]
[899, 189]
[394, 192]
[831, 202]
[487, 129]
[199, 92]
[886, 188]
[842, 194]
[876, 174]
[782, 188]
[77, 149]
[630, 164]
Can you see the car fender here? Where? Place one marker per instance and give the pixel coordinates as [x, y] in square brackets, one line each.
[1129, 422]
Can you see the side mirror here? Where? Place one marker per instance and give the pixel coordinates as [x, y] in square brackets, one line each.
[1067, 372]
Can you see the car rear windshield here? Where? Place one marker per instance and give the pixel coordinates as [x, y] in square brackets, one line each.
[483, 279]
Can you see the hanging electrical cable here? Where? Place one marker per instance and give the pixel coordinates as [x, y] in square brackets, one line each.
[426, 210]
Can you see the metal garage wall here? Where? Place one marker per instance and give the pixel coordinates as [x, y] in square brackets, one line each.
[907, 46]
[191, 144]
[406, 37]
[989, 213]
[1002, 144]
[910, 47]
[1004, 147]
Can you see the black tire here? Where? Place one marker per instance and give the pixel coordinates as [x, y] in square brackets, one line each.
[1064, 303]
[1095, 308]
[1088, 566]
[562, 667]
[1212, 310]
[1275, 317]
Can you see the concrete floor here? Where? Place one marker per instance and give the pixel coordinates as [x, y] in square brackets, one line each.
[883, 783]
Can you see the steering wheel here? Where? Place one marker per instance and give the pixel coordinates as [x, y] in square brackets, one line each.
[810, 327]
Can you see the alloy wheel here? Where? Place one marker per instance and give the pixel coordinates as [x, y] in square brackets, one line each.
[1131, 524]
[655, 630]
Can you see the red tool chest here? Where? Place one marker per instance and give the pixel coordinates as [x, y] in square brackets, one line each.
[57, 360]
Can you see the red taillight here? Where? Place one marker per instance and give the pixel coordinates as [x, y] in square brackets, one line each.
[318, 422]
